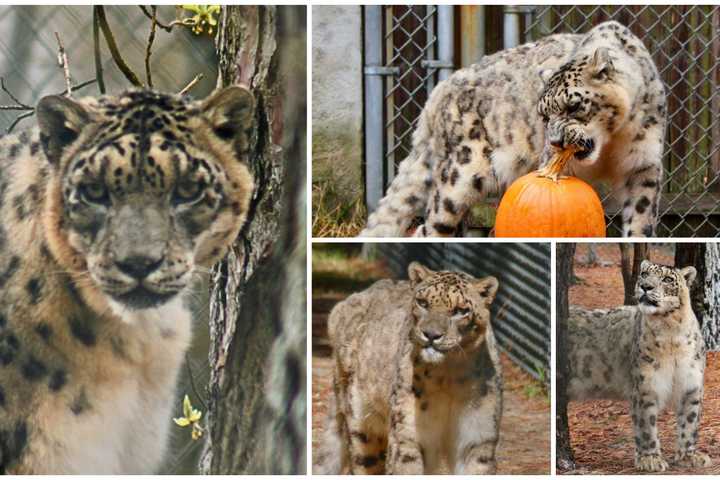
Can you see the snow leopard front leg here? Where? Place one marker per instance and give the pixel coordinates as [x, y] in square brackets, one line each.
[640, 189]
[689, 411]
[459, 181]
[404, 453]
[478, 434]
[645, 406]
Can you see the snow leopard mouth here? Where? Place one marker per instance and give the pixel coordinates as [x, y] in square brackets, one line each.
[430, 354]
[586, 148]
[140, 297]
[645, 300]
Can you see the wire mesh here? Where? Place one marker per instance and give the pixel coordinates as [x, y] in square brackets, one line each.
[684, 41]
[28, 53]
[521, 311]
[409, 38]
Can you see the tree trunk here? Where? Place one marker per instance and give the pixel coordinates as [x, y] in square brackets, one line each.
[256, 409]
[626, 269]
[708, 281]
[705, 290]
[565, 255]
[630, 267]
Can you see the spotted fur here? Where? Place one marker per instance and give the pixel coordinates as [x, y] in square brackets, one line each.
[417, 380]
[107, 212]
[503, 117]
[653, 355]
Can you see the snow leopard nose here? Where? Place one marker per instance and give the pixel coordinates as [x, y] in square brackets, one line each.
[138, 267]
[646, 288]
[432, 335]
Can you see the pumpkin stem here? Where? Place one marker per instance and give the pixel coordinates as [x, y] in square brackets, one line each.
[557, 163]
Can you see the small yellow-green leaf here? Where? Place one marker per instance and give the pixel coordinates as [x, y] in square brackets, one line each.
[182, 421]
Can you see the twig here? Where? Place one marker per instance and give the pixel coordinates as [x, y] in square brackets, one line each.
[148, 49]
[192, 382]
[63, 63]
[192, 84]
[19, 118]
[96, 51]
[14, 99]
[77, 87]
[30, 111]
[114, 51]
[167, 28]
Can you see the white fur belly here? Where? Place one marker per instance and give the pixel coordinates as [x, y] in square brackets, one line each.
[662, 382]
[124, 428]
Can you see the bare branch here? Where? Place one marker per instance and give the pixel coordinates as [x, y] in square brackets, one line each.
[167, 28]
[96, 51]
[192, 84]
[19, 118]
[79, 86]
[114, 51]
[30, 111]
[148, 49]
[63, 63]
[14, 99]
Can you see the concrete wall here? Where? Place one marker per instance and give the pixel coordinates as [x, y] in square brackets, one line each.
[337, 108]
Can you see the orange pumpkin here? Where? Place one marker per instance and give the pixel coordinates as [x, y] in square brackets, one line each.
[545, 204]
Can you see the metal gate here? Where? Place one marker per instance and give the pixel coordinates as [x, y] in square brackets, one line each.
[521, 311]
[407, 50]
[684, 41]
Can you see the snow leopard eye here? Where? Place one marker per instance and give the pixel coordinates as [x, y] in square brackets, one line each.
[422, 303]
[94, 192]
[458, 311]
[644, 274]
[668, 279]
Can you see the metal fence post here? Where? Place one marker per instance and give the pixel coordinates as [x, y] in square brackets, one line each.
[431, 47]
[511, 26]
[373, 106]
[446, 41]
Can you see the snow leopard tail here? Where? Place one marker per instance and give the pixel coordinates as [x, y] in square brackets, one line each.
[331, 458]
[407, 196]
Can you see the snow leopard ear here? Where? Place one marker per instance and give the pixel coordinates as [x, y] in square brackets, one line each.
[601, 65]
[231, 115]
[417, 273]
[545, 75]
[61, 120]
[645, 264]
[689, 274]
[487, 287]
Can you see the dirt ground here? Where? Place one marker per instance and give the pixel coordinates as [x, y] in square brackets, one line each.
[601, 431]
[525, 429]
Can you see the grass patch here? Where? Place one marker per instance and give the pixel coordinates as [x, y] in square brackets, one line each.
[539, 387]
[340, 268]
[332, 217]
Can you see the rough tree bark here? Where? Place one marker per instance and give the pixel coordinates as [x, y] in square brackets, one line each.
[256, 411]
[630, 267]
[709, 281]
[564, 271]
[705, 291]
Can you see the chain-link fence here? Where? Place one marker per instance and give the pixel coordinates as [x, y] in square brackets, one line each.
[29, 68]
[684, 42]
[28, 53]
[403, 59]
[521, 311]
